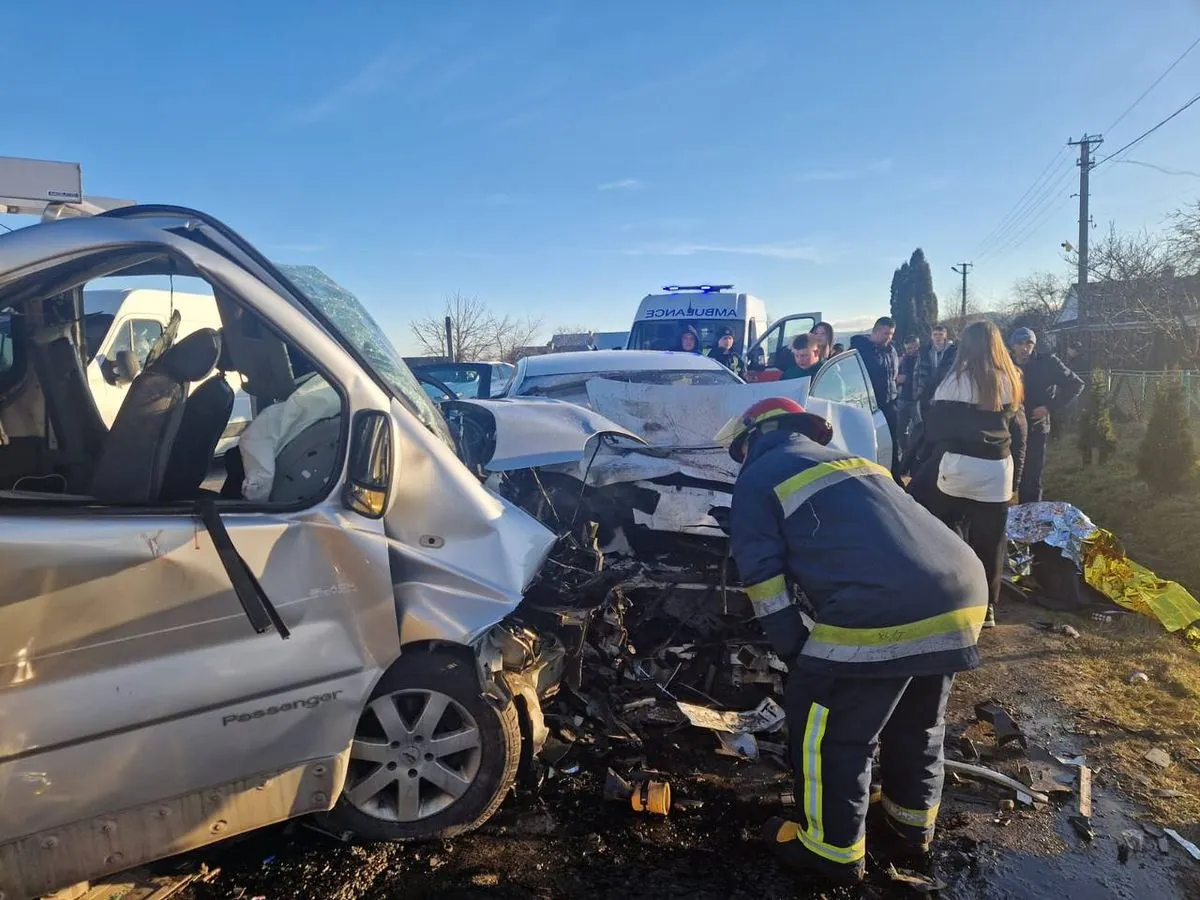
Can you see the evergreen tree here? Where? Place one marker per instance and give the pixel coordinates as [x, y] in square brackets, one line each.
[901, 301]
[924, 300]
[1095, 426]
[1167, 454]
[914, 305]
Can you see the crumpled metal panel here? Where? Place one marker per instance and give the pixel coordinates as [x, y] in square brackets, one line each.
[691, 415]
[532, 433]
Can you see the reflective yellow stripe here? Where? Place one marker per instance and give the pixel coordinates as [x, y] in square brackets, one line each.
[814, 734]
[813, 837]
[954, 630]
[917, 818]
[768, 596]
[798, 489]
[791, 831]
[847, 855]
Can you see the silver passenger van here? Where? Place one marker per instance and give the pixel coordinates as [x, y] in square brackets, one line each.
[193, 646]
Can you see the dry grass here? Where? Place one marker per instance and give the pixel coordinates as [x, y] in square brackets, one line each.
[1088, 678]
[1162, 533]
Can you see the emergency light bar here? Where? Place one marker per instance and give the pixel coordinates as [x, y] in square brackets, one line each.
[698, 288]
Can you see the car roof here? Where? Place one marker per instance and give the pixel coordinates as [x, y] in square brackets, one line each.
[616, 361]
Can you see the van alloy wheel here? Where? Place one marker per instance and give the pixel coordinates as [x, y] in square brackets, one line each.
[428, 703]
[415, 753]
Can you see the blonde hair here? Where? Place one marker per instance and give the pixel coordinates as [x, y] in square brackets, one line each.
[983, 360]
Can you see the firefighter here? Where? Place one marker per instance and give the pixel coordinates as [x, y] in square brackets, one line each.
[895, 605]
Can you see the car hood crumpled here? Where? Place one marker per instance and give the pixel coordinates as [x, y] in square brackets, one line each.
[539, 433]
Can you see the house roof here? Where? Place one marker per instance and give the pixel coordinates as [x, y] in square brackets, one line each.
[1124, 304]
[606, 340]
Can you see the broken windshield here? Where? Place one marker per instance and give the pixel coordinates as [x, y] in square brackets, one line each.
[358, 329]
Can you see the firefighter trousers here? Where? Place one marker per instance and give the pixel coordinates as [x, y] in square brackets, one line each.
[835, 725]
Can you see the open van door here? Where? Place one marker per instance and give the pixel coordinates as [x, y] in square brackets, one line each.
[773, 349]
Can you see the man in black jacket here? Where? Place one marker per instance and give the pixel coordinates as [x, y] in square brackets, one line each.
[1049, 387]
[930, 359]
[883, 364]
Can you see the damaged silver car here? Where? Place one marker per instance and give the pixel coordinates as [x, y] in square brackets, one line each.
[193, 645]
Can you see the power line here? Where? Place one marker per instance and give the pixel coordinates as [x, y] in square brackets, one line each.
[1031, 208]
[1145, 134]
[1016, 233]
[1033, 227]
[1005, 222]
[1156, 83]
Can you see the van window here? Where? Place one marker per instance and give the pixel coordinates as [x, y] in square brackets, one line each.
[664, 335]
[137, 335]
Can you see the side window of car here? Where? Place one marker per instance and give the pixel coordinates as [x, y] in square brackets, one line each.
[137, 335]
[842, 381]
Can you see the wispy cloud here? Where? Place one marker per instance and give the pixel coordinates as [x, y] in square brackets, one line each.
[789, 250]
[299, 248]
[669, 223]
[624, 184]
[879, 167]
[378, 73]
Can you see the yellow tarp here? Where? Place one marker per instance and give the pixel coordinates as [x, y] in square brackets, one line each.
[1112, 573]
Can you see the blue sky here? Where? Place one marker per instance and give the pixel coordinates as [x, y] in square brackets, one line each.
[562, 159]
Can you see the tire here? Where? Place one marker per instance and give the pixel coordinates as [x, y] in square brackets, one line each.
[377, 802]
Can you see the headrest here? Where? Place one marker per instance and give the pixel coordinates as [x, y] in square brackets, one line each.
[192, 358]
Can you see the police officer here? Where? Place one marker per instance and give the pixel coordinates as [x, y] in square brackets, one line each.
[897, 602]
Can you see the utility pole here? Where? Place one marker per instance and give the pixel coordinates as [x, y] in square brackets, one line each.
[962, 268]
[1086, 164]
[450, 339]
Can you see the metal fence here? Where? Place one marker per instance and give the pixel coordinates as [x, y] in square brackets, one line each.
[1133, 393]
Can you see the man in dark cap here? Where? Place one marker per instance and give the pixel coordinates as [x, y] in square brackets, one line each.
[724, 353]
[1049, 388]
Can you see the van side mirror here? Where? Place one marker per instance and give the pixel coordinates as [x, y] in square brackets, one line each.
[369, 473]
[126, 367]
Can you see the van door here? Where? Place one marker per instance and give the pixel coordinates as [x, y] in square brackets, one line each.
[844, 380]
[130, 332]
[773, 349]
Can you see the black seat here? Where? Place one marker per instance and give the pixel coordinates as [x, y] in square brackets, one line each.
[134, 462]
[205, 415]
[79, 430]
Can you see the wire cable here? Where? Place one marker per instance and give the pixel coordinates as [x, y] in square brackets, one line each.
[1156, 83]
[1007, 219]
[1019, 230]
[1149, 131]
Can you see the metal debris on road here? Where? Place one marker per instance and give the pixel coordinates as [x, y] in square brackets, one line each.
[1005, 726]
[1191, 849]
[996, 778]
[767, 717]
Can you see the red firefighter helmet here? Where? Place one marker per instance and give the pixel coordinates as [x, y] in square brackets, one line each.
[768, 414]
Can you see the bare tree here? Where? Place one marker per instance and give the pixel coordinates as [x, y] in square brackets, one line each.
[1036, 299]
[509, 335]
[1147, 313]
[1040, 292]
[1183, 243]
[478, 333]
